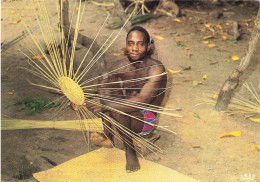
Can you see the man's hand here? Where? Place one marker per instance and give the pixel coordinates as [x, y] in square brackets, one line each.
[75, 107]
[93, 107]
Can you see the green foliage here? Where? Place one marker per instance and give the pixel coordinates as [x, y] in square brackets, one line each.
[133, 20]
[36, 105]
[180, 45]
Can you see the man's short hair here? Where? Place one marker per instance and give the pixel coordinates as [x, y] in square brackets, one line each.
[141, 29]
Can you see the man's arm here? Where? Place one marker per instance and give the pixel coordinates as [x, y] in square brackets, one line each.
[147, 93]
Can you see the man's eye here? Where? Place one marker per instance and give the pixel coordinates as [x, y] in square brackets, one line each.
[140, 43]
[130, 43]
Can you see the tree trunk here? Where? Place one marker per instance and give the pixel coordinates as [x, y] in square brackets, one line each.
[232, 82]
[121, 13]
[69, 32]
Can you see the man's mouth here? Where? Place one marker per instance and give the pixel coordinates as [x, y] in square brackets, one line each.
[134, 55]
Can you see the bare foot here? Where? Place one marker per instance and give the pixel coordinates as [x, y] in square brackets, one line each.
[132, 164]
[100, 140]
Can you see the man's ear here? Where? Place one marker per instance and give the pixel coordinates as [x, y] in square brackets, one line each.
[148, 47]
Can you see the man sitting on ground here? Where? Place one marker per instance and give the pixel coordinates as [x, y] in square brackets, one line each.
[136, 64]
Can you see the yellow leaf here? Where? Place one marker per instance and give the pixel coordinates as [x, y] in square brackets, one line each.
[178, 41]
[77, 9]
[255, 147]
[12, 12]
[235, 58]
[204, 77]
[208, 37]
[203, 29]
[255, 119]
[9, 93]
[159, 37]
[172, 71]
[195, 83]
[215, 96]
[208, 25]
[178, 20]
[219, 27]
[18, 21]
[205, 42]
[224, 37]
[234, 133]
[37, 57]
[211, 45]
[227, 60]
[227, 24]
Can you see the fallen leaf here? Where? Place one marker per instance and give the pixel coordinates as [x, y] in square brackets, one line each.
[235, 58]
[172, 71]
[116, 54]
[213, 63]
[195, 83]
[37, 57]
[9, 93]
[203, 29]
[76, 9]
[255, 147]
[227, 60]
[12, 12]
[18, 21]
[196, 115]
[227, 24]
[159, 37]
[80, 30]
[233, 41]
[176, 19]
[205, 42]
[215, 96]
[234, 133]
[178, 41]
[224, 37]
[211, 45]
[195, 146]
[204, 77]
[219, 27]
[180, 45]
[186, 68]
[208, 37]
[208, 25]
[255, 119]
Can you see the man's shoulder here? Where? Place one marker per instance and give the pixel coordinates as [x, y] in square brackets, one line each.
[155, 64]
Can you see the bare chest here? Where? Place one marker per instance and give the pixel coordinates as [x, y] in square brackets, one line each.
[134, 80]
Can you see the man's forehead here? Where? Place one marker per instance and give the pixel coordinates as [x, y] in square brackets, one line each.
[136, 35]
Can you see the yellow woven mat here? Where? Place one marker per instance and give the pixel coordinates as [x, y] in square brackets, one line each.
[108, 165]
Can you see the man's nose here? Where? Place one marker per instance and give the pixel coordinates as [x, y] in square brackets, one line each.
[135, 47]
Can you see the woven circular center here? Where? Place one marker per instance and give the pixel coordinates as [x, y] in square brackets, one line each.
[72, 90]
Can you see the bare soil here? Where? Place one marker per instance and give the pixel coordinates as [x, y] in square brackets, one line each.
[196, 150]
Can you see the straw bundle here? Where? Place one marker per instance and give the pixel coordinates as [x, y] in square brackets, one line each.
[239, 105]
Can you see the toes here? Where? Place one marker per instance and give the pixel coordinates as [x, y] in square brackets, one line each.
[132, 169]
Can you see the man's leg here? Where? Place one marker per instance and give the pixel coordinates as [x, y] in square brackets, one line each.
[136, 126]
[104, 139]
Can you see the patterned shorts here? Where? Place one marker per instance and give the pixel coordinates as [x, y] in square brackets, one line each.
[149, 117]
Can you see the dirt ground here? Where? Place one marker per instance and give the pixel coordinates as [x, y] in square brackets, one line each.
[196, 150]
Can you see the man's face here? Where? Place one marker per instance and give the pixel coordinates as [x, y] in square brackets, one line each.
[136, 46]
